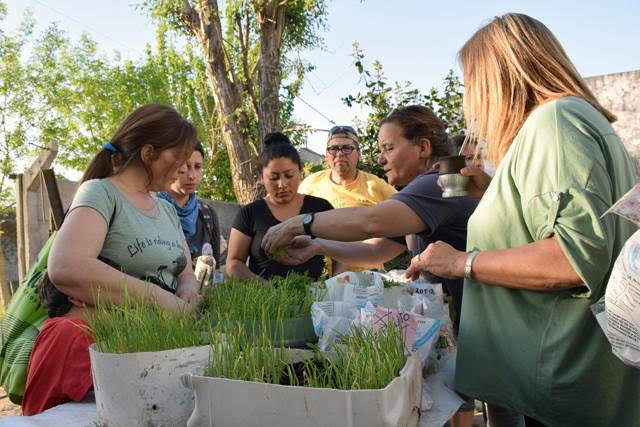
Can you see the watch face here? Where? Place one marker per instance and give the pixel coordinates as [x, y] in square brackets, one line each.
[306, 219]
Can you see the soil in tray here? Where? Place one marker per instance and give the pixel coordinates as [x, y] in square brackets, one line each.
[298, 370]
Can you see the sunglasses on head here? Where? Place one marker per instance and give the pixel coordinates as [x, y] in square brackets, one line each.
[342, 129]
[347, 131]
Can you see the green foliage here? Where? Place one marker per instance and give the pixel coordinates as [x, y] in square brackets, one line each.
[448, 103]
[53, 89]
[379, 97]
[137, 326]
[304, 21]
[237, 299]
[364, 360]
[15, 104]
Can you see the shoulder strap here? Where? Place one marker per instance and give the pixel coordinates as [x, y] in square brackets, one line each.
[113, 214]
[205, 211]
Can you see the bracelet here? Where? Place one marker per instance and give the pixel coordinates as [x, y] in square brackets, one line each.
[468, 264]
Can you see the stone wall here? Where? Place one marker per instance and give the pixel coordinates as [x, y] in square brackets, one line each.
[620, 94]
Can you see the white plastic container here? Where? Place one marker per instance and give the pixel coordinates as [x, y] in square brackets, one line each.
[205, 264]
[136, 389]
[235, 403]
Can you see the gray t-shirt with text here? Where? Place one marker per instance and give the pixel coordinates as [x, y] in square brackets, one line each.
[141, 245]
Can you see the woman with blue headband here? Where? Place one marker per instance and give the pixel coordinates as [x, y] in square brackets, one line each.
[118, 241]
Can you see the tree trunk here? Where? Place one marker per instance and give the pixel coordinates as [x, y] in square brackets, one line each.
[228, 95]
[271, 17]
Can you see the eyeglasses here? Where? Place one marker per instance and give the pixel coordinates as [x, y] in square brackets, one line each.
[345, 149]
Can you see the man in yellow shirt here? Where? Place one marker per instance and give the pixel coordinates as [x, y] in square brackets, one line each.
[343, 184]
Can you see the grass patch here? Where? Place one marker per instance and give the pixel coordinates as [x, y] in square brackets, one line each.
[136, 326]
[284, 297]
[364, 360]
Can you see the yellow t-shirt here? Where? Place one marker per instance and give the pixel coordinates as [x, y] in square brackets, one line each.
[366, 190]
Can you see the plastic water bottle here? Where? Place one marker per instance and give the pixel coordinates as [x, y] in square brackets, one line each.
[223, 244]
[205, 265]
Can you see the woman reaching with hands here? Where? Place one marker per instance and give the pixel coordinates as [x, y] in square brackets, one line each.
[539, 251]
[411, 139]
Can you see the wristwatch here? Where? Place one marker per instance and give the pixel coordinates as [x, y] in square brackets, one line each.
[307, 220]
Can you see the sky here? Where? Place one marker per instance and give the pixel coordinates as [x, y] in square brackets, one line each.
[416, 41]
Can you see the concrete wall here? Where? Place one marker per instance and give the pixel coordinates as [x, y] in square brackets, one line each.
[226, 213]
[620, 93]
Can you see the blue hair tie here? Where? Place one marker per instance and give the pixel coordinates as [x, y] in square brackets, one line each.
[108, 146]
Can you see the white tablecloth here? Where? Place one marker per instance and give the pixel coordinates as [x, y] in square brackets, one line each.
[80, 414]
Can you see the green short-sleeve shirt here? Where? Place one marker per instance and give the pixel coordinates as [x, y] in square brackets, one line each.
[144, 246]
[542, 353]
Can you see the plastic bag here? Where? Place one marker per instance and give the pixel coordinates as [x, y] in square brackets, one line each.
[622, 303]
[618, 311]
[420, 332]
[356, 287]
[332, 319]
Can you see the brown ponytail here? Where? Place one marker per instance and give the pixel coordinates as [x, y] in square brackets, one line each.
[157, 125]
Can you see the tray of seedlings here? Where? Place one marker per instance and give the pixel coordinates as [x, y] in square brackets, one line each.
[370, 380]
[257, 306]
[139, 354]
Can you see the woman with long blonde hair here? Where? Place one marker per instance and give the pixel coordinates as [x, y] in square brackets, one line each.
[538, 252]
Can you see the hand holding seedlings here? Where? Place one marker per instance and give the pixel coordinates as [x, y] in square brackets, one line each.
[301, 250]
[282, 234]
[189, 293]
[278, 253]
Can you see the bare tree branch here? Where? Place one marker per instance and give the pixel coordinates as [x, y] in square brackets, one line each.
[244, 41]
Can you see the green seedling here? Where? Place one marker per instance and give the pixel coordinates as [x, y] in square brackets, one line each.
[364, 360]
[279, 252]
[250, 300]
[390, 283]
[137, 326]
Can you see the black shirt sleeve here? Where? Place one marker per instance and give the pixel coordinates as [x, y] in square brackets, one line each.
[399, 239]
[244, 220]
[315, 204]
[424, 197]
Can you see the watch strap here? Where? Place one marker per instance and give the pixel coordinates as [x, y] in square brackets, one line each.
[307, 224]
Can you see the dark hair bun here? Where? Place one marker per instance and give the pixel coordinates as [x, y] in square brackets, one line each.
[276, 138]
